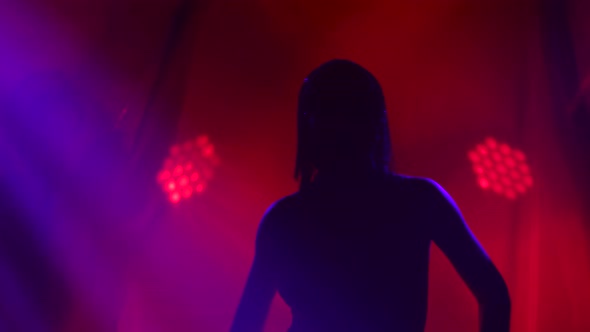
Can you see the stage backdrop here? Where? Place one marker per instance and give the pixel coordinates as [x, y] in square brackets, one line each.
[454, 73]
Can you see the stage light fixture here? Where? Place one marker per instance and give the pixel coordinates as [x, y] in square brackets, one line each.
[501, 168]
[188, 169]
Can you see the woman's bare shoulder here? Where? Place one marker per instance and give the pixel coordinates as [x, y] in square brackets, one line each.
[283, 205]
[415, 184]
[420, 189]
[279, 212]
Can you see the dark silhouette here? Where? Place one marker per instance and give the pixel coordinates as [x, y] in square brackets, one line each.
[350, 250]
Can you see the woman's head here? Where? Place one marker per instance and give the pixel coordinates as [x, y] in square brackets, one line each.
[342, 122]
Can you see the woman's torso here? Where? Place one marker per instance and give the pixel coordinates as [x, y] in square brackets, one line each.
[353, 256]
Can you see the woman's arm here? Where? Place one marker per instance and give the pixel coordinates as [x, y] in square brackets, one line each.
[260, 286]
[452, 235]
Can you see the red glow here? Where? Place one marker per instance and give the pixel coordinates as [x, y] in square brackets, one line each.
[520, 188]
[168, 164]
[187, 193]
[510, 194]
[174, 150]
[497, 156]
[187, 146]
[208, 151]
[163, 176]
[195, 177]
[491, 143]
[473, 156]
[501, 168]
[505, 149]
[189, 162]
[215, 160]
[497, 188]
[178, 170]
[479, 170]
[175, 197]
[482, 150]
[207, 173]
[484, 183]
[202, 140]
[183, 181]
[171, 186]
[519, 155]
[510, 162]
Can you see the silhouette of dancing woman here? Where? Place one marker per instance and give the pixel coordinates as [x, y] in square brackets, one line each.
[349, 251]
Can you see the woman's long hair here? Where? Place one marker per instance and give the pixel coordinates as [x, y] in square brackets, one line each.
[341, 89]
